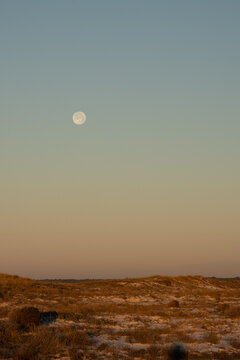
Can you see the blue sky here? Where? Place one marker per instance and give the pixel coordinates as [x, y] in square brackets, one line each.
[155, 166]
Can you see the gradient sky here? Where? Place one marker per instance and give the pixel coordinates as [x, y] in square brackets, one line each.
[150, 183]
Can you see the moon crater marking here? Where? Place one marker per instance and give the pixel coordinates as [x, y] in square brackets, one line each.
[79, 118]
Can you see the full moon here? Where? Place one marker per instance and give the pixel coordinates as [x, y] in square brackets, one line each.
[79, 118]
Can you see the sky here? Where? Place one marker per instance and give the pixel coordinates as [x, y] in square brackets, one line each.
[149, 184]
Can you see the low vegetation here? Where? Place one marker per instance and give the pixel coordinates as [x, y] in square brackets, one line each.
[119, 319]
[25, 318]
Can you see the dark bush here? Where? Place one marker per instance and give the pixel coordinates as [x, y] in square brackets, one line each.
[174, 303]
[48, 317]
[166, 282]
[177, 352]
[25, 318]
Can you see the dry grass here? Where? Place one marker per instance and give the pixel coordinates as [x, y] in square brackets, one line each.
[235, 343]
[144, 335]
[93, 316]
[212, 338]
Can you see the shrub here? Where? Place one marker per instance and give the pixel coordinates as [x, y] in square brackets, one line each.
[48, 317]
[166, 282]
[177, 352]
[174, 303]
[25, 318]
